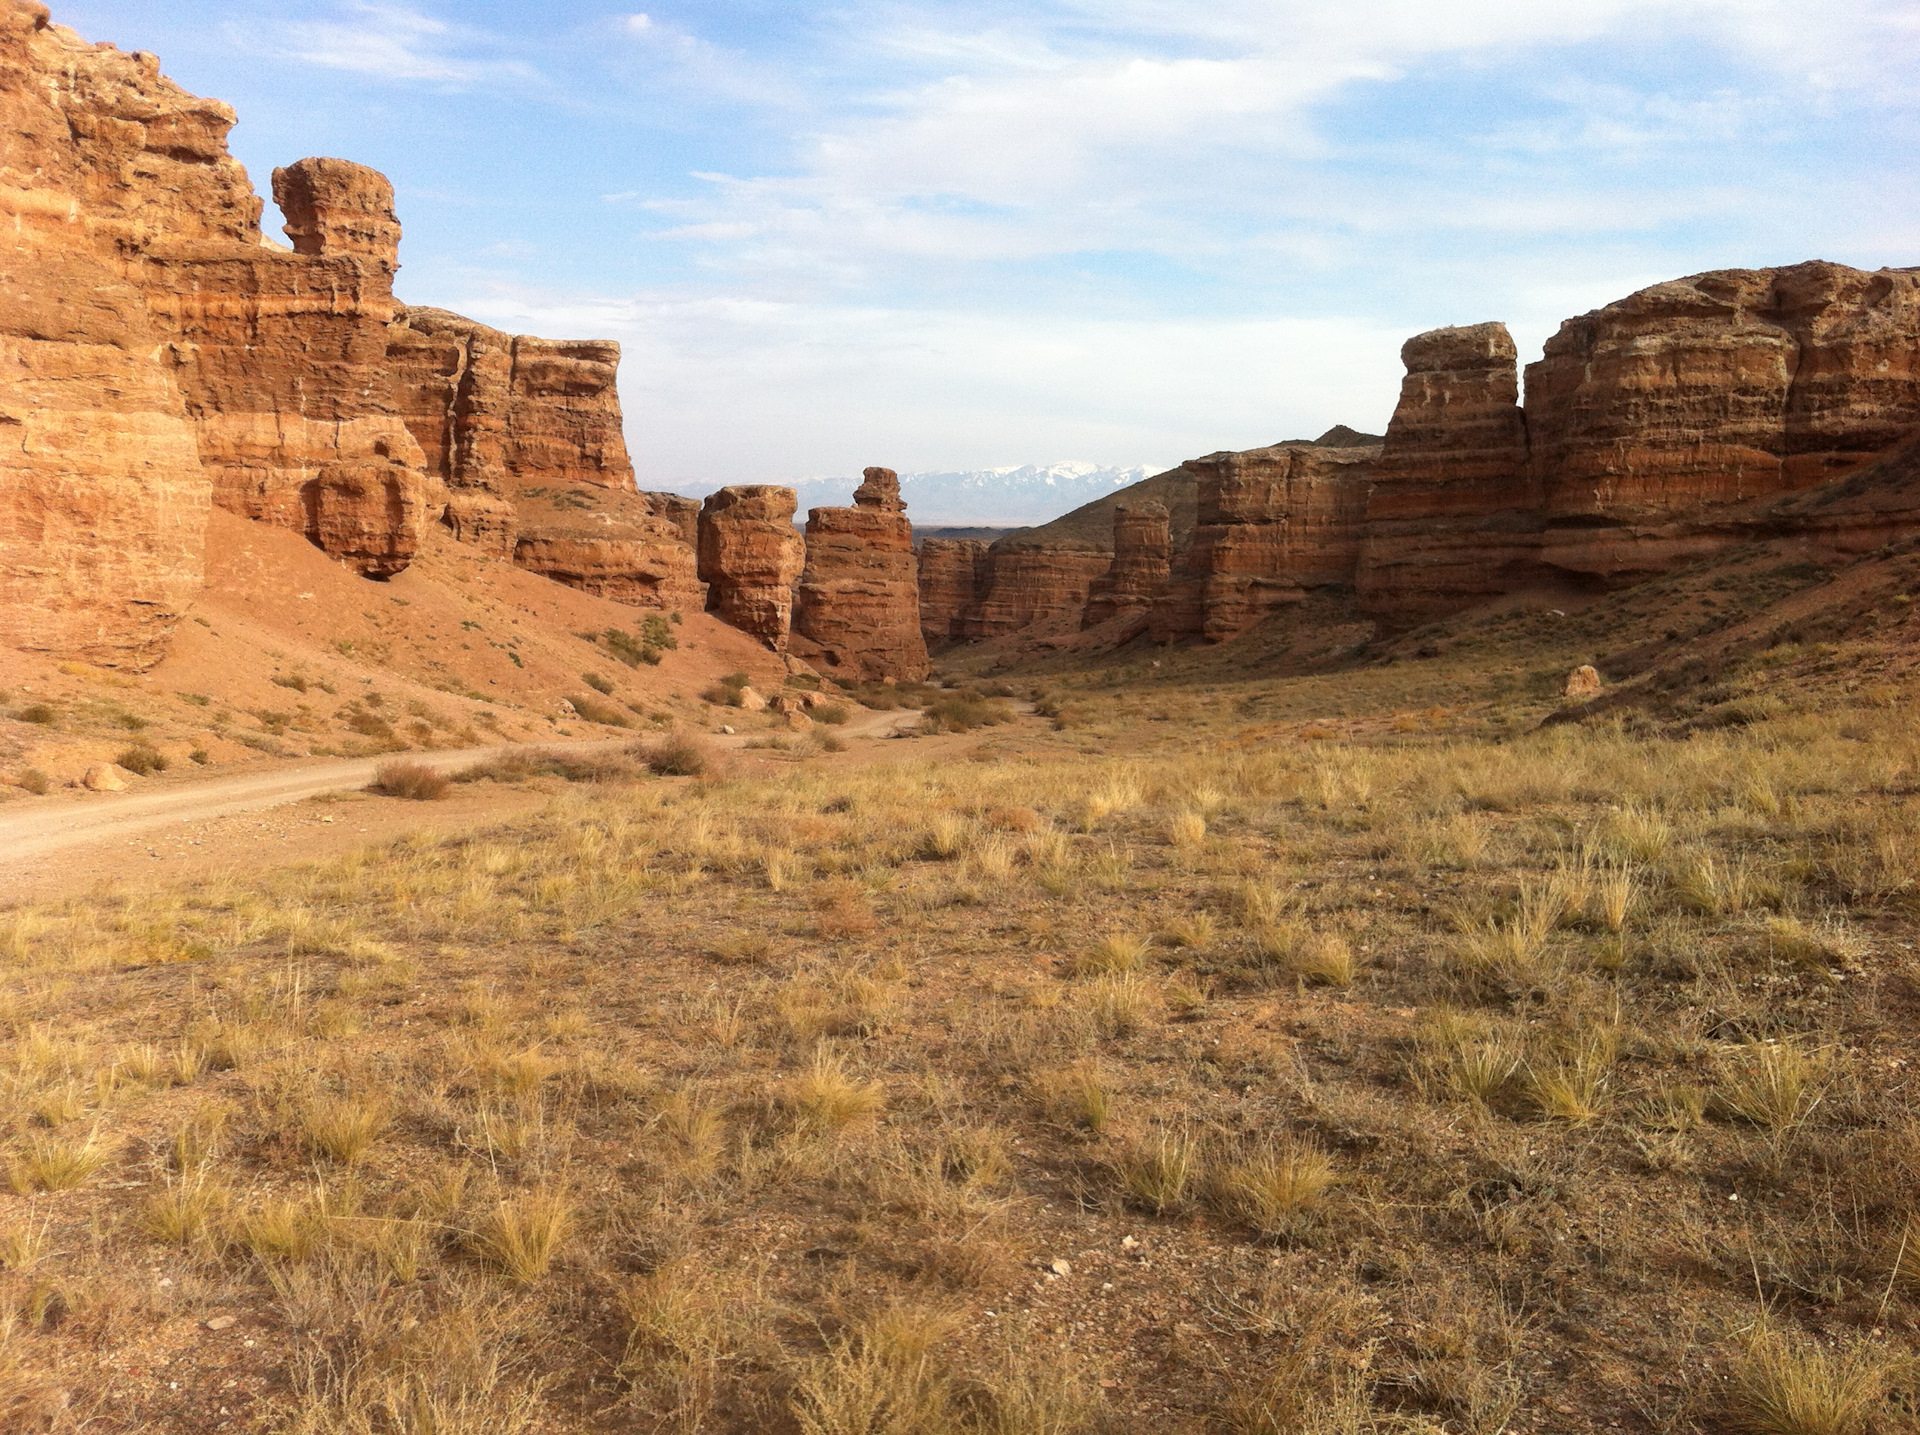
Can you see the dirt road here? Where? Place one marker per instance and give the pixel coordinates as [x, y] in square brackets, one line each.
[190, 825]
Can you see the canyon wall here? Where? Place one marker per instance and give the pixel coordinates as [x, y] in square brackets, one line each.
[104, 502]
[856, 610]
[954, 574]
[1454, 515]
[1142, 564]
[1654, 430]
[159, 353]
[526, 435]
[1037, 588]
[750, 557]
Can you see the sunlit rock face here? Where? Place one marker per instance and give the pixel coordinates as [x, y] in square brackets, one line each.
[856, 611]
[750, 557]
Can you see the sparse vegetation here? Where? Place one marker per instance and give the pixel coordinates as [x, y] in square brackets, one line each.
[415, 781]
[1146, 1075]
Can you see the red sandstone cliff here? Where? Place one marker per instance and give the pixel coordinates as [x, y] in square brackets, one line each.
[1653, 415]
[1142, 554]
[954, 574]
[526, 435]
[856, 610]
[1274, 523]
[1454, 515]
[158, 351]
[749, 559]
[103, 502]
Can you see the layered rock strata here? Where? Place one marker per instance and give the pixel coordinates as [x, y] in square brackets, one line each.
[1653, 418]
[1037, 588]
[1142, 554]
[103, 503]
[955, 574]
[1454, 515]
[856, 611]
[749, 558]
[1274, 523]
[526, 435]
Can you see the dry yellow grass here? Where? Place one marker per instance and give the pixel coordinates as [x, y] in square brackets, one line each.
[859, 1099]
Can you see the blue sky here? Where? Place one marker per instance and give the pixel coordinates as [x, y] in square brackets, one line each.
[952, 236]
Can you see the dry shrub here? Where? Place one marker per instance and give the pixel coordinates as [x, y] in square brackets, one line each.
[1155, 1172]
[1275, 1186]
[679, 754]
[1115, 952]
[1187, 829]
[415, 781]
[827, 1098]
[522, 1235]
[843, 910]
[1795, 1387]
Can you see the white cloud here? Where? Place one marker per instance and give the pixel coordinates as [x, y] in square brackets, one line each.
[1156, 126]
[729, 389]
[395, 42]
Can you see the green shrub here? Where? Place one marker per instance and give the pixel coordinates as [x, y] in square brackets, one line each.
[597, 683]
[656, 632]
[830, 713]
[143, 760]
[42, 713]
[35, 781]
[200, 757]
[726, 692]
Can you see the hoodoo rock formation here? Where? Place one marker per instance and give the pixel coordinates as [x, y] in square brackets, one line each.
[954, 577]
[1142, 554]
[1453, 516]
[856, 611]
[749, 559]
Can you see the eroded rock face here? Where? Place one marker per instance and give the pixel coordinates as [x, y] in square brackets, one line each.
[955, 574]
[1454, 515]
[1274, 523]
[526, 435]
[1652, 416]
[1142, 554]
[281, 358]
[1040, 589]
[856, 611]
[749, 557]
[103, 501]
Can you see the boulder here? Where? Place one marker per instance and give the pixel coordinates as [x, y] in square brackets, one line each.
[752, 702]
[749, 557]
[105, 777]
[856, 611]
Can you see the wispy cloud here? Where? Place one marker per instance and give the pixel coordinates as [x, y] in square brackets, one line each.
[401, 44]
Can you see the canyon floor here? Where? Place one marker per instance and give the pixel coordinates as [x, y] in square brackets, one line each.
[1215, 1040]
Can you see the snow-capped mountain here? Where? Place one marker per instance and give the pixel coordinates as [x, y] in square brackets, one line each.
[998, 497]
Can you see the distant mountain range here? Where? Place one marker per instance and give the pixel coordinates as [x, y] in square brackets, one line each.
[995, 497]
